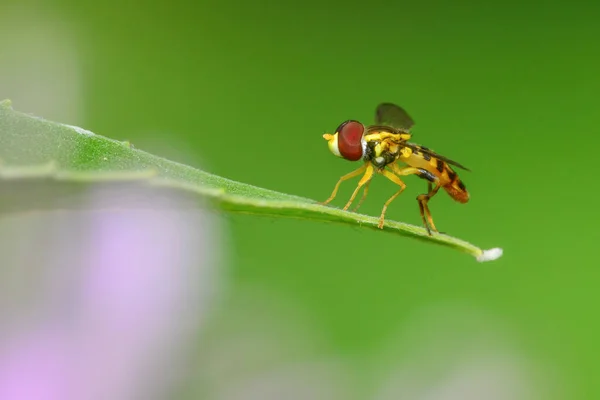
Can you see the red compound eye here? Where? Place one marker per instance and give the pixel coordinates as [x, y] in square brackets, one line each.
[350, 135]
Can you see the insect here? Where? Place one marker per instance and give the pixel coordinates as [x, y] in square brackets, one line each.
[381, 147]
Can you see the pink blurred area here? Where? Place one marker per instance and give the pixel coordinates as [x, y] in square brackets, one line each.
[103, 304]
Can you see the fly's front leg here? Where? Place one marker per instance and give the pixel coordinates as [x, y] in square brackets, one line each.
[364, 180]
[342, 179]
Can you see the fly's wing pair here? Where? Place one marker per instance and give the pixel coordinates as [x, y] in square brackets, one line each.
[388, 114]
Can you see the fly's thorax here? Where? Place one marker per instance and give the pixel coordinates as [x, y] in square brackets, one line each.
[381, 152]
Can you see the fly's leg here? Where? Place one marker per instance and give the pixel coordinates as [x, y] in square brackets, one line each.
[392, 177]
[364, 195]
[342, 179]
[364, 180]
[423, 199]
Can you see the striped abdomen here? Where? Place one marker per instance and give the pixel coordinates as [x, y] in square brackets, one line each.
[455, 187]
[445, 175]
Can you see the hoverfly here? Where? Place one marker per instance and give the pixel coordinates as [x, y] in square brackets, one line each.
[381, 146]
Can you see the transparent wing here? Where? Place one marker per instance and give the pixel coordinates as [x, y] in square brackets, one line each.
[416, 147]
[389, 114]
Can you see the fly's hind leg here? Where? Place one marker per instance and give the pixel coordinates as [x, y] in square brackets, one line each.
[342, 179]
[423, 199]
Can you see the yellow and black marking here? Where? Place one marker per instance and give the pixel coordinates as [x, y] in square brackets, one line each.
[439, 166]
[383, 146]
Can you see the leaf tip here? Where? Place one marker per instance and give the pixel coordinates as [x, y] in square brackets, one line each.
[490, 255]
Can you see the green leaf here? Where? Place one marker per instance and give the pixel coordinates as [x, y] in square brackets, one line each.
[36, 153]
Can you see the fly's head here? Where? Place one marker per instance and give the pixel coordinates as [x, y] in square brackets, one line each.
[348, 141]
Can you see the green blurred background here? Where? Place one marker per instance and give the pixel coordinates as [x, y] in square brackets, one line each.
[246, 89]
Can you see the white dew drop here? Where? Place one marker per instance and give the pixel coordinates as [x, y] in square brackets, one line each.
[490, 255]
